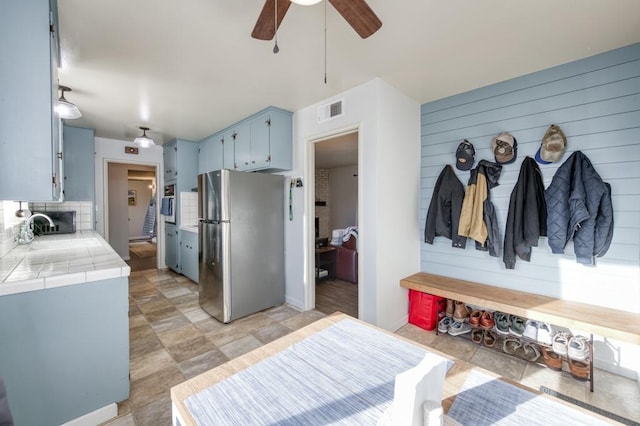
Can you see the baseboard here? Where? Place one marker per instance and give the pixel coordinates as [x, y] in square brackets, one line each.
[95, 417]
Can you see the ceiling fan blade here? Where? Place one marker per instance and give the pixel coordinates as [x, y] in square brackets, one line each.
[359, 15]
[265, 26]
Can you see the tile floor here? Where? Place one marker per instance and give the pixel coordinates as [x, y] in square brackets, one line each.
[172, 339]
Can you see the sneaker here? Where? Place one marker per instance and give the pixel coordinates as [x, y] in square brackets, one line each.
[531, 330]
[545, 333]
[443, 325]
[502, 323]
[458, 328]
[517, 325]
[461, 312]
[578, 348]
[560, 343]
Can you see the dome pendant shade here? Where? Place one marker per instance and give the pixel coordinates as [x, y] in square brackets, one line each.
[144, 141]
[306, 2]
[64, 108]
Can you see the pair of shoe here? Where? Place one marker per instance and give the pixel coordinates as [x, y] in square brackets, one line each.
[453, 327]
[486, 337]
[578, 348]
[538, 331]
[482, 319]
[502, 322]
[528, 351]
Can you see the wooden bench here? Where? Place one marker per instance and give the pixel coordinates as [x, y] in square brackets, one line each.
[598, 320]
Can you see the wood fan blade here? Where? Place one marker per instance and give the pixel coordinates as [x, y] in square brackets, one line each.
[265, 26]
[359, 15]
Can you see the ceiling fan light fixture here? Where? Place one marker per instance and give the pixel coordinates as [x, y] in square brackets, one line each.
[306, 2]
[64, 108]
[144, 141]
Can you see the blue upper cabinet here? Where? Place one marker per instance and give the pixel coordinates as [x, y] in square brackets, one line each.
[210, 153]
[170, 156]
[79, 164]
[260, 142]
[30, 133]
[240, 134]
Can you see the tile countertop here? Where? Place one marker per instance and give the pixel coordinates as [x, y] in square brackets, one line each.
[59, 260]
[189, 228]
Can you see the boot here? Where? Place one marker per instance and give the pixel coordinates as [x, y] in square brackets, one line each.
[460, 312]
[450, 307]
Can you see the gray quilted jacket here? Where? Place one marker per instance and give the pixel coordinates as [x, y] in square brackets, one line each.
[579, 208]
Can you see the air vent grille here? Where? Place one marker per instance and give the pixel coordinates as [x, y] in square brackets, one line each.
[330, 111]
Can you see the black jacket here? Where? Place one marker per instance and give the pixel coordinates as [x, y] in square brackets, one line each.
[579, 208]
[527, 217]
[444, 211]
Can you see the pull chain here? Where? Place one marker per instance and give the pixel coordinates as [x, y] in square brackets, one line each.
[276, 49]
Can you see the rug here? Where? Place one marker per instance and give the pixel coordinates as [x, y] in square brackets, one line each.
[143, 249]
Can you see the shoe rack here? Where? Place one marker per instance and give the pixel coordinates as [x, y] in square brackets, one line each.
[528, 349]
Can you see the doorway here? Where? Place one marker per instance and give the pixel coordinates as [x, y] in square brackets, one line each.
[336, 224]
[131, 220]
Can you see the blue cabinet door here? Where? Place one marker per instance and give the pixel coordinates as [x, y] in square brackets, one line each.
[260, 149]
[189, 254]
[170, 155]
[228, 150]
[210, 156]
[30, 133]
[171, 247]
[241, 135]
[79, 165]
[280, 139]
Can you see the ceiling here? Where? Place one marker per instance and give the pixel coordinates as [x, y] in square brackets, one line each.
[190, 68]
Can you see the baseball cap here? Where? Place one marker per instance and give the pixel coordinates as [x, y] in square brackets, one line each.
[465, 155]
[554, 144]
[505, 148]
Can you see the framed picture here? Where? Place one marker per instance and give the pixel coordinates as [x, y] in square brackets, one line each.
[132, 197]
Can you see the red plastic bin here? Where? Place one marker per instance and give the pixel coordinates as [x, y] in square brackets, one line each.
[423, 309]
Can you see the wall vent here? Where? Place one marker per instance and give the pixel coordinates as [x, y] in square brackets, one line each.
[330, 111]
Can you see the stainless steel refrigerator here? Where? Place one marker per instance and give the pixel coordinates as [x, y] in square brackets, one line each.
[241, 254]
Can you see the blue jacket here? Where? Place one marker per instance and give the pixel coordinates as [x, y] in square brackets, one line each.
[579, 208]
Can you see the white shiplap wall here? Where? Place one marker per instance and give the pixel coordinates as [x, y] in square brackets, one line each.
[596, 101]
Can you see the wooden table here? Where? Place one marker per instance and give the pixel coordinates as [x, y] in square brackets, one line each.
[454, 381]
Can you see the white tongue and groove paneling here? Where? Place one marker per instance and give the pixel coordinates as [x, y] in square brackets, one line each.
[596, 102]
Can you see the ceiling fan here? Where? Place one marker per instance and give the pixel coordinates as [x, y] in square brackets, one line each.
[357, 13]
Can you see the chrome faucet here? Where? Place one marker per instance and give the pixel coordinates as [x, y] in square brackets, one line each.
[26, 229]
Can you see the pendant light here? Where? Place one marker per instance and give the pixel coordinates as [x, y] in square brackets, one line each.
[64, 108]
[306, 2]
[144, 141]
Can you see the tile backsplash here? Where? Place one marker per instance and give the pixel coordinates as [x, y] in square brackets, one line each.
[10, 224]
[83, 209]
[188, 208]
